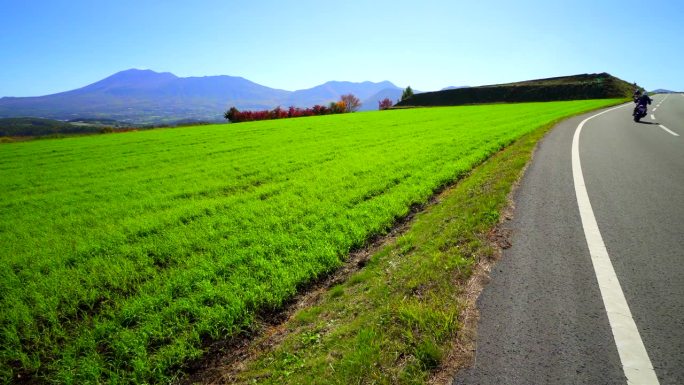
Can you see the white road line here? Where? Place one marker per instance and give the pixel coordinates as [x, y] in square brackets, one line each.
[635, 362]
[652, 116]
[655, 108]
[668, 130]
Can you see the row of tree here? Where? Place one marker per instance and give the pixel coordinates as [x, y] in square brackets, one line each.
[347, 103]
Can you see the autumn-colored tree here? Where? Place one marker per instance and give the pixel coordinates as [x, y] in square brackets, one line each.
[278, 113]
[385, 104]
[408, 92]
[231, 114]
[351, 102]
[337, 107]
[236, 116]
[320, 110]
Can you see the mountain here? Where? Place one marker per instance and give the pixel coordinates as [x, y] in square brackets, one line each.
[663, 91]
[576, 87]
[371, 103]
[331, 91]
[145, 96]
[132, 80]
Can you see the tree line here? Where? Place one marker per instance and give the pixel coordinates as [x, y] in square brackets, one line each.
[347, 103]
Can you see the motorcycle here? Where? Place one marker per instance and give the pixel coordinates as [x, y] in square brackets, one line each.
[639, 112]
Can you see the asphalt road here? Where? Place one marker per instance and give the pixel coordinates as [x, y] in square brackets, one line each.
[542, 317]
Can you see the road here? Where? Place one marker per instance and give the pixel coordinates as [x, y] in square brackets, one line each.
[543, 316]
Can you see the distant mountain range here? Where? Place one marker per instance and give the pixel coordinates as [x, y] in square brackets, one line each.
[147, 97]
[663, 91]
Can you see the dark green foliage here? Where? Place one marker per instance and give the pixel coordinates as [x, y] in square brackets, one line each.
[408, 93]
[49, 127]
[579, 87]
[41, 127]
[428, 354]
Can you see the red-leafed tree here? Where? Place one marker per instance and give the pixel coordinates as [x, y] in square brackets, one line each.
[278, 113]
[320, 110]
[351, 102]
[232, 114]
[236, 116]
[385, 104]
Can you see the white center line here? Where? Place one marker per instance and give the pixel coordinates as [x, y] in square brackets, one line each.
[635, 361]
[652, 116]
[668, 130]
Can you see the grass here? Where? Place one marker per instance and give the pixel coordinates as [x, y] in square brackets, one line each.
[395, 320]
[124, 255]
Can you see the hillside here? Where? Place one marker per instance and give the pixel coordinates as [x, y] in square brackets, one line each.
[577, 87]
[42, 127]
[148, 97]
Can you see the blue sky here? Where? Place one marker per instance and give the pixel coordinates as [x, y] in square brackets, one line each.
[53, 46]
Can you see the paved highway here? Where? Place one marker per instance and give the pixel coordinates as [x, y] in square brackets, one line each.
[544, 315]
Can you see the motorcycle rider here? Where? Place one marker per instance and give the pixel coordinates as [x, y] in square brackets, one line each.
[636, 95]
[642, 100]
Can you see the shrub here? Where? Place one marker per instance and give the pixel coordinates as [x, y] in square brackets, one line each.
[347, 103]
[385, 104]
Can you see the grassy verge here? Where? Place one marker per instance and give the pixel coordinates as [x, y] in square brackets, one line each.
[397, 319]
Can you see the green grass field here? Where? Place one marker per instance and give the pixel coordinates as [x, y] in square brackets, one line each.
[123, 255]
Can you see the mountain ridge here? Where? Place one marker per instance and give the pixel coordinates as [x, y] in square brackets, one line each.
[145, 96]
